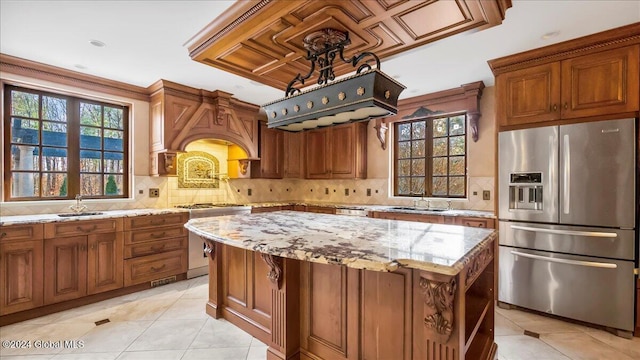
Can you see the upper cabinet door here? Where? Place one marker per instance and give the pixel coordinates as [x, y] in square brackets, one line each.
[529, 95]
[601, 83]
[318, 154]
[293, 155]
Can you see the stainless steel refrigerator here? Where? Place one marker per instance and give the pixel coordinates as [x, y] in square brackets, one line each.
[567, 211]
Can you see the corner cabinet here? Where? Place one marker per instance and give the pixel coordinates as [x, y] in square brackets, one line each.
[337, 152]
[592, 77]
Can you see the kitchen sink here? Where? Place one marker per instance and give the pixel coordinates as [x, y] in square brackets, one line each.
[86, 213]
[415, 209]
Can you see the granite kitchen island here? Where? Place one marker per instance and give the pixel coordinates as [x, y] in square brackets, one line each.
[318, 286]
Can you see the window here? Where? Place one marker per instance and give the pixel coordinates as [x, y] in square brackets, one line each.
[59, 146]
[430, 157]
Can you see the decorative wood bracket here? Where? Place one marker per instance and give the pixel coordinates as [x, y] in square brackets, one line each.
[381, 131]
[275, 272]
[209, 248]
[478, 263]
[474, 116]
[243, 164]
[439, 298]
[170, 162]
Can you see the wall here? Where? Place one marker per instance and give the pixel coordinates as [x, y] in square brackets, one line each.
[481, 164]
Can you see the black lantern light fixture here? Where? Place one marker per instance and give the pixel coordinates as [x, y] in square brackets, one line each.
[368, 94]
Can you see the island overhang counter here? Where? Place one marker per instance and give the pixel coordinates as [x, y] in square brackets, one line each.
[319, 286]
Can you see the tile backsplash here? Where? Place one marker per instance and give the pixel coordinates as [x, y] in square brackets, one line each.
[258, 190]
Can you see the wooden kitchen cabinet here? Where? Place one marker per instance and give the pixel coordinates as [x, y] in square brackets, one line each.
[486, 223]
[271, 147]
[155, 247]
[593, 77]
[428, 218]
[21, 260]
[82, 258]
[337, 152]
[293, 161]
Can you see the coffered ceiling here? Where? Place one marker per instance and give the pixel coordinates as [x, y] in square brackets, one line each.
[262, 40]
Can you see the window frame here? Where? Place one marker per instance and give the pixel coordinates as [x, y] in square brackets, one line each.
[428, 156]
[72, 147]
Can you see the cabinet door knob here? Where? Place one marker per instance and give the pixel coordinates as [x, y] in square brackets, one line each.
[555, 107]
[3, 235]
[566, 105]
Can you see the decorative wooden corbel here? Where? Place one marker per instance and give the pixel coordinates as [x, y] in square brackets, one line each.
[474, 116]
[381, 131]
[169, 162]
[439, 298]
[209, 247]
[275, 272]
[243, 164]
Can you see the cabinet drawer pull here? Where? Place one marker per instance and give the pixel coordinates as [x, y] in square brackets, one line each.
[154, 269]
[80, 228]
[155, 236]
[153, 248]
[158, 222]
[3, 235]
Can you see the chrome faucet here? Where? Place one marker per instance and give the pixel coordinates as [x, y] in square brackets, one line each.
[78, 207]
[420, 203]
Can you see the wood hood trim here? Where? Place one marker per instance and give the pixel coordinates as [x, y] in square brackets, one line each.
[181, 114]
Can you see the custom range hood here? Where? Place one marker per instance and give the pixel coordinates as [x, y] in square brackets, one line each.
[366, 95]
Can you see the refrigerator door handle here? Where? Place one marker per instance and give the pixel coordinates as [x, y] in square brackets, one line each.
[567, 261]
[566, 173]
[566, 232]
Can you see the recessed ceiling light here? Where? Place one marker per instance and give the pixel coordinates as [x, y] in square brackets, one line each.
[80, 66]
[395, 76]
[97, 43]
[550, 35]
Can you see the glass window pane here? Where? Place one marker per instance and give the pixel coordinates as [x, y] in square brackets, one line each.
[24, 131]
[456, 145]
[404, 167]
[417, 185]
[90, 184]
[456, 125]
[440, 166]
[90, 114]
[439, 186]
[404, 131]
[54, 134]
[54, 184]
[440, 127]
[440, 147]
[54, 159]
[90, 161]
[25, 104]
[25, 184]
[113, 184]
[114, 162]
[403, 186]
[417, 167]
[456, 186]
[113, 140]
[456, 165]
[404, 150]
[418, 129]
[417, 148]
[24, 158]
[113, 118]
[54, 108]
[90, 137]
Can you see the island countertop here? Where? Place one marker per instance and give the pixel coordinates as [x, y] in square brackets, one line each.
[357, 242]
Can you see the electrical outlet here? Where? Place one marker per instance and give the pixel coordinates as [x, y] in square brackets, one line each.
[154, 192]
[346, 192]
[248, 192]
[368, 192]
[486, 195]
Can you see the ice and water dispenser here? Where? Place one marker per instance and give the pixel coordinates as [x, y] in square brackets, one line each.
[525, 191]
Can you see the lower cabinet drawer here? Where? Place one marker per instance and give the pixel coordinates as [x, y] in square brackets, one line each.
[159, 233]
[152, 267]
[154, 247]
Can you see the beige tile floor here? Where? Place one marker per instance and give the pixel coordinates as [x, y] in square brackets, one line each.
[169, 322]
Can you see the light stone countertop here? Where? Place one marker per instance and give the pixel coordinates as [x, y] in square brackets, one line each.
[48, 218]
[357, 242]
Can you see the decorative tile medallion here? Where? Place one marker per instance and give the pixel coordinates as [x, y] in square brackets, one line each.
[198, 169]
